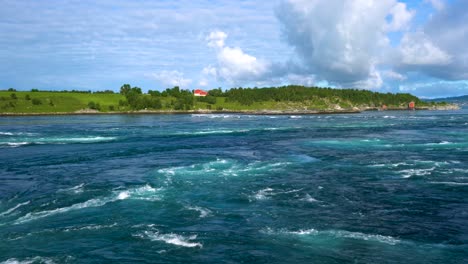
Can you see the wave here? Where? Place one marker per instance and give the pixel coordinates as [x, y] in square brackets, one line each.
[209, 132]
[416, 172]
[40, 260]
[171, 238]
[204, 212]
[17, 134]
[439, 143]
[75, 189]
[451, 183]
[217, 116]
[146, 192]
[233, 131]
[57, 140]
[267, 193]
[263, 194]
[7, 212]
[309, 199]
[222, 167]
[89, 227]
[141, 193]
[337, 234]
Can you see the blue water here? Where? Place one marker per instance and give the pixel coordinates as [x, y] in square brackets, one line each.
[376, 187]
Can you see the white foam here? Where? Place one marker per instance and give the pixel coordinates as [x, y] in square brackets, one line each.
[123, 195]
[171, 238]
[221, 167]
[75, 189]
[89, 227]
[15, 144]
[263, 194]
[41, 214]
[339, 234]
[440, 143]
[309, 199]
[28, 261]
[295, 117]
[141, 193]
[14, 208]
[204, 212]
[17, 134]
[452, 183]
[216, 116]
[416, 172]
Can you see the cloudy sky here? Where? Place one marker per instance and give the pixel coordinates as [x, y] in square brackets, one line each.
[416, 46]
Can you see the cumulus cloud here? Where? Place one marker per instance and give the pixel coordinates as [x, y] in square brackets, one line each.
[439, 49]
[394, 75]
[418, 49]
[342, 41]
[172, 78]
[233, 64]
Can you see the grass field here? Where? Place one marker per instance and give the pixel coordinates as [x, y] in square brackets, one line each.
[51, 102]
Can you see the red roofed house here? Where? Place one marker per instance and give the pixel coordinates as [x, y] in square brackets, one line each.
[199, 92]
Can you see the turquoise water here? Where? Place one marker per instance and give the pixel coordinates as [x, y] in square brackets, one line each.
[376, 187]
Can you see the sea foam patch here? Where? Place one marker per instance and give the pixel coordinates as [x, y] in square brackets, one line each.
[34, 260]
[335, 234]
[223, 167]
[171, 238]
[138, 193]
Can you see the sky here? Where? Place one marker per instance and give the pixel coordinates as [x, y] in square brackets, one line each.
[410, 46]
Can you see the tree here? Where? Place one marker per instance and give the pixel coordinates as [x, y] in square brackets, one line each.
[13, 96]
[125, 89]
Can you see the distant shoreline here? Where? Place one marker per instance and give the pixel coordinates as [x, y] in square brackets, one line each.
[247, 112]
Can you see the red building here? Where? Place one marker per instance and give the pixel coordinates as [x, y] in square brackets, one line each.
[411, 106]
[199, 92]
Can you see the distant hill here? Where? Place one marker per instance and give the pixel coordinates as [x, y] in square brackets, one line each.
[460, 100]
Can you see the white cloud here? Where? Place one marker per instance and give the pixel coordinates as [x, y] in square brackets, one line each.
[342, 41]
[418, 49]
[172, 78]
[216, 39]
[394, 75]
[233, 64]
[439, 48]
[401, 17]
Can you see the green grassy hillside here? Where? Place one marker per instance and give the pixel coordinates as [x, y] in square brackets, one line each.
[49, 102]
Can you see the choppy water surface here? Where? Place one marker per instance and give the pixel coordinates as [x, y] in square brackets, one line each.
[380, 187]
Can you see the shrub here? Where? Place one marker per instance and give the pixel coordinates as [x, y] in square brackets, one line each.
[111, 108]
[27, 97]
[93, 105]
[13, 96]
[36, 101]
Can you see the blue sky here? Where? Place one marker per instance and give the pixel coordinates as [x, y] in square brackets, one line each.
[416, 46]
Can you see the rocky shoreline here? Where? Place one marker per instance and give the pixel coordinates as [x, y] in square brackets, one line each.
[249, 112]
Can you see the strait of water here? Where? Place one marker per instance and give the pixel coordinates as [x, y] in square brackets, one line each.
[376, 187]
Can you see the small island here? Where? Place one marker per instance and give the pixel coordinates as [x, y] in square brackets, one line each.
[292, 99]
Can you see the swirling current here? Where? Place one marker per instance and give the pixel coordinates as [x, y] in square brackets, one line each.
[375, 187]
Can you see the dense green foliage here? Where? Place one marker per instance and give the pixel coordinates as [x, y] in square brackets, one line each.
[247, 96]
